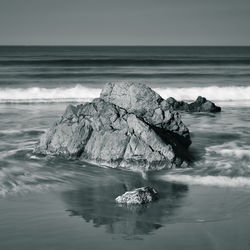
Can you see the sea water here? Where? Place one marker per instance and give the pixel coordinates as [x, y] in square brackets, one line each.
[53, 203]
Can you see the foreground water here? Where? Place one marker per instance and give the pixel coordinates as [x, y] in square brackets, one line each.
[51, 203]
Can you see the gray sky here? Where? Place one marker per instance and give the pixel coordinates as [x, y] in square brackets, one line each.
[125, 22]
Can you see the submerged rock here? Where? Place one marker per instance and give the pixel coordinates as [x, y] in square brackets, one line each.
[129, 127]
[138, 196]
[201, 104]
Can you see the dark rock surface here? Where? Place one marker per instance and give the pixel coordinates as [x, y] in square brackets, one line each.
[129, 127]
[138, 196]
[201, 104]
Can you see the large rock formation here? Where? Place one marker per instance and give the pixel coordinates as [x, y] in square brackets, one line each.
[130, 126]
[201, 104]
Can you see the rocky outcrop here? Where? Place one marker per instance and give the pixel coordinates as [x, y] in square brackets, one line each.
[201, 104]
[128, 127]
[138, 196]
[147, 105]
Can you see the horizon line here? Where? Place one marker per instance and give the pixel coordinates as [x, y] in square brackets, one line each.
[123, 45]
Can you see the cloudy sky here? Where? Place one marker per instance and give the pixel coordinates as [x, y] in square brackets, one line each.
[125, 22]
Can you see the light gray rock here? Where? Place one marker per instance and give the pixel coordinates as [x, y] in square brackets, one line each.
[146, 104]
[138, 196]
[104, 133]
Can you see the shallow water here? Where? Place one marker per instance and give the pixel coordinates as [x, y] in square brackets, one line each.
[53, 203]
[220, 149]
[86, 217]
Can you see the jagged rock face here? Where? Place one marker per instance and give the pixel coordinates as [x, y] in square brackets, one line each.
[138, 196]
[201, 104]
[105, 133]
[135, 98]
[147, 105]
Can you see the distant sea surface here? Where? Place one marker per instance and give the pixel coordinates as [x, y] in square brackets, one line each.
[43, 74]
[53, 203]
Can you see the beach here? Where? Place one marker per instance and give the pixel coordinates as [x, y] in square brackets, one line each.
[194, 217]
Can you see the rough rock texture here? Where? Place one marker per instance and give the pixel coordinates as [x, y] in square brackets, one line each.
[147, 105]
[201, 104]
[142, 134]
[138, 196]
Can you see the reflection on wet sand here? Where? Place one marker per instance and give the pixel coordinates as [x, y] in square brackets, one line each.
[95, 203]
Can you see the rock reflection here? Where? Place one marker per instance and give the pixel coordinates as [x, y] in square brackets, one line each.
[95, 203]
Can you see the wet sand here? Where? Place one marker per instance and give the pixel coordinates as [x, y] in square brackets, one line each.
[86, 217]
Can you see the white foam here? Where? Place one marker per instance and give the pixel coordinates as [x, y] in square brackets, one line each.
[36, 94]
[230, 149]
[212, 93]
[81, 93]
[221, 181]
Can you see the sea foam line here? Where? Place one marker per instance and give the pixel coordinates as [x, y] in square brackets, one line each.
[83, 93]
[220, 181]
[230, 149]
[214, 93]
[37, 94]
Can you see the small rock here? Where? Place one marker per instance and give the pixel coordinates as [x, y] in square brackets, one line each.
[201, 104]
[138, 196]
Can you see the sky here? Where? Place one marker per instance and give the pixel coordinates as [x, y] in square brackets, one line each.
[124, 22]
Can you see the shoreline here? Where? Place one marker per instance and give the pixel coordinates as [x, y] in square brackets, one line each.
[199, 219]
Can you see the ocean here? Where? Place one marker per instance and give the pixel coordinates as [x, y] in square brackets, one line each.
[53, 203]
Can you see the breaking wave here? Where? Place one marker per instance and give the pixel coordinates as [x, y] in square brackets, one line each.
[39, 95]
[215, 93]
[80, 93]
[220, 181]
